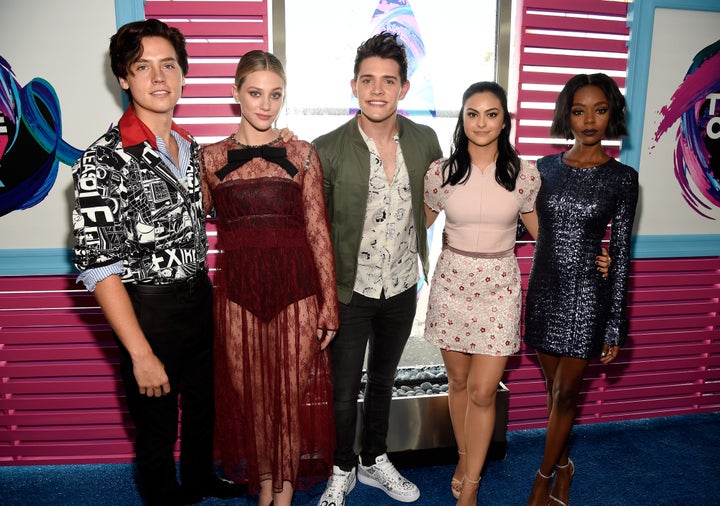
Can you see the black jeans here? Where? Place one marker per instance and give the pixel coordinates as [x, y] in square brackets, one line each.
[177, 321]
[386, 323]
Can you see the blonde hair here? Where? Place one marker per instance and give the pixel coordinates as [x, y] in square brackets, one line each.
[256, 60]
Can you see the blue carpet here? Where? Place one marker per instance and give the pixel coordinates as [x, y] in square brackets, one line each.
[655, 462]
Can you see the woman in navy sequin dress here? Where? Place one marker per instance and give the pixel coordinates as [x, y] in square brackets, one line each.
[572, 313]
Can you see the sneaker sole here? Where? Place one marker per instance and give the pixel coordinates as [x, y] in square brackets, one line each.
[352, 485]
[366, 480]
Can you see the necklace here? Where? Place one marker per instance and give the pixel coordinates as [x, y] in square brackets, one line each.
[239, 143]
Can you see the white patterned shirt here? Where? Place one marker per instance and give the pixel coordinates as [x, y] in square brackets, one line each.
[388, 257]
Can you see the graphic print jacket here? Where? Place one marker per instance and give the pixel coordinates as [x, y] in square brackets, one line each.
[130, 208]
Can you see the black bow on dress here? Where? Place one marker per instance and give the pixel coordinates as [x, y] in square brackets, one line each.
[238, 157]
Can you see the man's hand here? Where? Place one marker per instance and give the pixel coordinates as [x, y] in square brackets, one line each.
[151, 377]
[149, 371]
[288, 135]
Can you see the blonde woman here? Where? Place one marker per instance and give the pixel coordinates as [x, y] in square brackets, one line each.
[276, 298]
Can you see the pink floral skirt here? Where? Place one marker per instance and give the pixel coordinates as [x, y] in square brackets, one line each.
[474, 304]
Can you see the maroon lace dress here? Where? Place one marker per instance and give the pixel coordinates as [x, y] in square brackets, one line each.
[275, 286]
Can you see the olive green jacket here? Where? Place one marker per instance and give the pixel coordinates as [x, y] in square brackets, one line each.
[346, 172]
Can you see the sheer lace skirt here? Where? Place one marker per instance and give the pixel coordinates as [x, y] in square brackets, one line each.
[273, 396]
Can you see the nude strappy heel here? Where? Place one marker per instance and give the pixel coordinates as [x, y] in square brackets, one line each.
[455, 484]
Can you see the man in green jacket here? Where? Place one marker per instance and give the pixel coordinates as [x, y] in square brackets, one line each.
[374, 167]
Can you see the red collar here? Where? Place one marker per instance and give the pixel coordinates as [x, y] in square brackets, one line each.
[133, 131]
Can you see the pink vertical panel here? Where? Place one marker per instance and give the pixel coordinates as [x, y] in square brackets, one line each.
[557, 39]
[216, 32]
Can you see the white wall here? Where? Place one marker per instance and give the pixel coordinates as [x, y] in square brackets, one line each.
[66, 44]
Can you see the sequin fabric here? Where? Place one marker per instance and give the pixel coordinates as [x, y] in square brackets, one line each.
[571, 310]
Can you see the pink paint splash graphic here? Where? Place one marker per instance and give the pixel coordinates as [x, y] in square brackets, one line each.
[696, 103]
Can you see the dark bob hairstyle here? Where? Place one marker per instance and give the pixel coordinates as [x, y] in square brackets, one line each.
[561, 118]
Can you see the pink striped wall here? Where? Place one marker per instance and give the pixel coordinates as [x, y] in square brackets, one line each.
[61, 399]
[218, 34]
[558, 39]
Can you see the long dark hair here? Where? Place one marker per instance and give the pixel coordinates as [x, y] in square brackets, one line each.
[456, 169]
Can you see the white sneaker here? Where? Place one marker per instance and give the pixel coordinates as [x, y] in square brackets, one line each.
[383, 475]
[338, 486]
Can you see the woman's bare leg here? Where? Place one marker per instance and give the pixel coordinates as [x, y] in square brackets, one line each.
[284, 498]
[563, 376]
[457, 366]
[485, 373]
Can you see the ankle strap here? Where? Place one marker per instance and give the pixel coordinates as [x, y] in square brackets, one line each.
[473, 481]
[569, 463]
[546, 477]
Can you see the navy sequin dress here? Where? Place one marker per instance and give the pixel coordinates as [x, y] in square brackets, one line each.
[571, 310]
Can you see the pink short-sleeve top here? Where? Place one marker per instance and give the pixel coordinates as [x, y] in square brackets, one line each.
[480, 215]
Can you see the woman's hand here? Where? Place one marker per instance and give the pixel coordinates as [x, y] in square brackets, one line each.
[603, 262]
[609, 353]
[325, 336]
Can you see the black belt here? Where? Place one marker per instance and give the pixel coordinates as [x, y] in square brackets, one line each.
[187, 284]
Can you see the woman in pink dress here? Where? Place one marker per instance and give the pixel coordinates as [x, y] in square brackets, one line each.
[475, 295]
[276, 301]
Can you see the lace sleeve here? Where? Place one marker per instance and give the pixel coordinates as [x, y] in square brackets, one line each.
[318, 234]
[206, 193]
[435, 194]
[527, 186]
